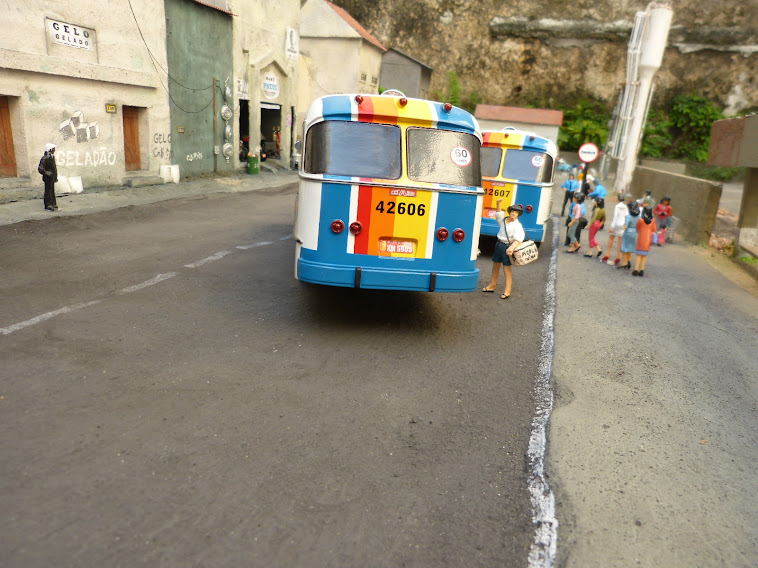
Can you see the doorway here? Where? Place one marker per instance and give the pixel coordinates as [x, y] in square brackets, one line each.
[131, 138]
[244, 130]
[271, 126]
[7, 151]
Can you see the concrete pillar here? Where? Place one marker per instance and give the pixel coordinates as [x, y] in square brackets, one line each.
[748, 219]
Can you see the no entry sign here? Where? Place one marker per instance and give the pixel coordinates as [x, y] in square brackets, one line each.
[588, 152]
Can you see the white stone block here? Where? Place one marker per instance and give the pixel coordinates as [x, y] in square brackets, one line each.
[165, 173]
[175, 173]
[62, 186]
[75, 183]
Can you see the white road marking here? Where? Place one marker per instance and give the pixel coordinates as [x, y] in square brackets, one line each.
[129, 289]
[260, 244]
[543, 550]
[47, 316]
[211, 258]
[155, 280]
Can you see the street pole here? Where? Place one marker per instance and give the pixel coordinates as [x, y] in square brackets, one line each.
[215, 127]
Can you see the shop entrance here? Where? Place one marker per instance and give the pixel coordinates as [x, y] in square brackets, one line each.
[271, 128]
[7, 151]
[244, 126]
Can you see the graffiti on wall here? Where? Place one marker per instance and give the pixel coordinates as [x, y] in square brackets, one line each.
[76, 127]
[194, 156]
[162, 146]
[98, 157]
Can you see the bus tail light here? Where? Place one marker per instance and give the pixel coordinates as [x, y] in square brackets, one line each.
[403, 101]
[447, 107]
[459, 235]
[356, 228]
[442, 234]
[529, 208]
[338, 226]
[359, 99]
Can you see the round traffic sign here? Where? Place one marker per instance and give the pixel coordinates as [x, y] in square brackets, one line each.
[588, 152]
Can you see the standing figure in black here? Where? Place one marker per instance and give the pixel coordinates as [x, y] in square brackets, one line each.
[49, 172]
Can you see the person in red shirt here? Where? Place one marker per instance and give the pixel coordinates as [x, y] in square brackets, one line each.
[662, 214]
[645, 230]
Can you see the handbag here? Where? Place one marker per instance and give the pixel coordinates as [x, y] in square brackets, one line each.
[525, 253]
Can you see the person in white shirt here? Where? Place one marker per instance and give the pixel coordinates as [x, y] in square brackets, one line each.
[617, 227]
[510, 235]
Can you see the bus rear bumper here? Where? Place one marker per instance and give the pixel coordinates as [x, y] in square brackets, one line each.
[371, 277]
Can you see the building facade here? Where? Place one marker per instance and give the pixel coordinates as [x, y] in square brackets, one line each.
[337, 55]
[402, 72]
[199, 50]
[88, 77]
[266, 40]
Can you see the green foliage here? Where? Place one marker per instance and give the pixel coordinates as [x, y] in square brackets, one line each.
[714, 173]
[587, 121]
[657, 138]
[454, 89]
[381, 89]
[469, 102]
[691, 117]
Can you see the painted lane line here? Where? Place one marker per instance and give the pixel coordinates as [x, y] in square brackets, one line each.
[543, 550]
[211, 258]
[285, 238]
[47, 316]
[155, 280]
[260, 244]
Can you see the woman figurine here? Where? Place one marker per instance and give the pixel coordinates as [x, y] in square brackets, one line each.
[596, 223]
[574, 226]
[510, 236]
[629, 240]
[645, 229]
[662, 214]
[617, 227]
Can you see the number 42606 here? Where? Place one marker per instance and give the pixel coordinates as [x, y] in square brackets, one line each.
[401, 208]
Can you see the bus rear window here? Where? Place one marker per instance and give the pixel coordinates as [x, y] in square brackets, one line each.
[353, 149]
[443, 156]
[491, 161]
[527, 165]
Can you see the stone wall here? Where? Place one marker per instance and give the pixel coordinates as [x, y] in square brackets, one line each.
[553, 51]
[695, 201]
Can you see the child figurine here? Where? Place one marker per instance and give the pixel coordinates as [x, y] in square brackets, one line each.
[662, 214]
[629, 240]
[645, 230]
[597, 222]
[617, 227]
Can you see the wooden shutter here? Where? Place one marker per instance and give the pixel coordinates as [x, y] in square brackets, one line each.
[7, 152]
[131, 138]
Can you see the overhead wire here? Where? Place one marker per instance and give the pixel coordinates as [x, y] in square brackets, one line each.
[156, 65]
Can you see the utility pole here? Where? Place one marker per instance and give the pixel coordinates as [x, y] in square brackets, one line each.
[653, 43]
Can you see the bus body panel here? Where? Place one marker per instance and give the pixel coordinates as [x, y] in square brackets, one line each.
[378, 249]
[511, 189]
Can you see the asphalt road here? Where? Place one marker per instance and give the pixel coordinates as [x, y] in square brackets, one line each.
[172, 396]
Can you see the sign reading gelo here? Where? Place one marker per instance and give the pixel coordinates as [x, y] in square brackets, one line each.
[460, 156]
[270, 86]
[70, 35]
[110, 109]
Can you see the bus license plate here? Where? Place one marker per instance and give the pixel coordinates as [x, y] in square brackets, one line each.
[390, 246]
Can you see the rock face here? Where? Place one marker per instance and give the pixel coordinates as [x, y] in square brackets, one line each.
[548, 52]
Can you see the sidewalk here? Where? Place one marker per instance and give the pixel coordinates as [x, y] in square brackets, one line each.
[652, 440]
[29, 205]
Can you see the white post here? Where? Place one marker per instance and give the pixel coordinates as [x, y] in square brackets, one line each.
[654, 38]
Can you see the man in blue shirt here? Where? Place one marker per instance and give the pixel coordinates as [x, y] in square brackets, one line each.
[570, 185]
[600, 191]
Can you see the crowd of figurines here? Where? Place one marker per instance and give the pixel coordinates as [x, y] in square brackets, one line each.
[637, 224]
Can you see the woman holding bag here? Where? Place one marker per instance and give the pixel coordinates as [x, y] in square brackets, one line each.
[510, 236]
